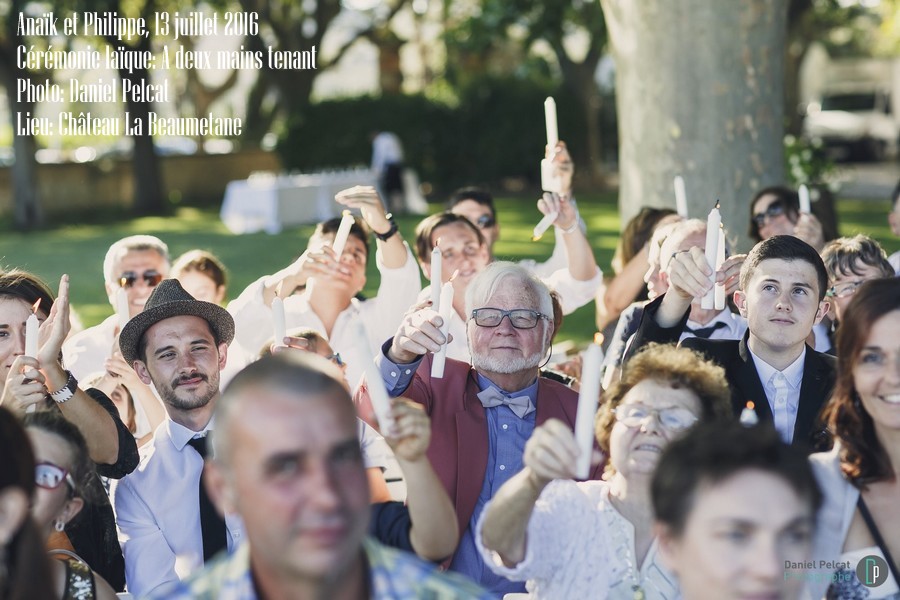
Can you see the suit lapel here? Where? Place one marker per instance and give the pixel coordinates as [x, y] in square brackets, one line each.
[750, 388]
[471, 450]
[813, 389]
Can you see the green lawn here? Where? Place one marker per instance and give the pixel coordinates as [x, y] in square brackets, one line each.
[79, 249]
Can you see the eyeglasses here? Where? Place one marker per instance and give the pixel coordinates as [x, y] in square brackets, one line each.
[776, 209]
[336, 359]
[50, 476]
[673, 419]
[486, 222]
[129, 278]
[843, 290]
[521, 318]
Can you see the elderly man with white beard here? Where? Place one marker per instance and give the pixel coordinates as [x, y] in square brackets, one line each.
[482, 414]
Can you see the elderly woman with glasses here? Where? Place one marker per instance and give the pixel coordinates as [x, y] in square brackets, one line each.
[850, 261]
[63, 470]
[595, 539]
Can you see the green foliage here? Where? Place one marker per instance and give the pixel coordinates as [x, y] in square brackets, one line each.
[807, 163]
[495, 131]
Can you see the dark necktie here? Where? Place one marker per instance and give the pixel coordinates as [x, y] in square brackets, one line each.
[705, 332]
[212, 526]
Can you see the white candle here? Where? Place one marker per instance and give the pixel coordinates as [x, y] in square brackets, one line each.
[122, 311]
[436, 264]
[680, 197]
[32, 325]
[440, 357]
[550, 119]
[804, 198]
[343, 232]
[748, 416]
[588, 398]
[381, 402]
[278, 321]
[720, 258]
[712, 251]
[541, 228]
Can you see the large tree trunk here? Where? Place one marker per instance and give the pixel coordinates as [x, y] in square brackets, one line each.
[699, 93]
[148, 189]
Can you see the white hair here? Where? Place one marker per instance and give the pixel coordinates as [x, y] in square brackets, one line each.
[486, 283]
[676, 238]
[132, 243]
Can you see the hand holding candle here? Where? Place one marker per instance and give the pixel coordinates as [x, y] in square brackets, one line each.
[541, 228]
[440, 357]
[588, 398]
[712, 252]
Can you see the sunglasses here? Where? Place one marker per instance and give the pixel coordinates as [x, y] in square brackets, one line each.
[486, 222]
[776, 209]
[129, 278]
[336, 359]
[50, 476]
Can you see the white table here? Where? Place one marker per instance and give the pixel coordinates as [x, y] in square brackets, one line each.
[269, 202]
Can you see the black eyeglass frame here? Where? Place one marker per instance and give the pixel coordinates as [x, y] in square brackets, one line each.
[509, 313]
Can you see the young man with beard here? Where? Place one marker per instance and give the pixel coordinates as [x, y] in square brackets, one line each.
[483, 414]
[167, 525]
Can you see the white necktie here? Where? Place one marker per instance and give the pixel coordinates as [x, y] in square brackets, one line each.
[780, 409]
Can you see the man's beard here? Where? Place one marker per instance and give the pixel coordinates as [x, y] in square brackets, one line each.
[171, 398]
[494, 364]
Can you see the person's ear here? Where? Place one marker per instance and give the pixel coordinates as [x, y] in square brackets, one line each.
[740, 300]
[426, 268]
[71, 508]
[220, 294]
[824, 307]
[218, 487]
[142, 372]
[13, 511]
[223, 355]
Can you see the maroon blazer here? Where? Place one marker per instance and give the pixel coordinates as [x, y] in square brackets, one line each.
[459, 433]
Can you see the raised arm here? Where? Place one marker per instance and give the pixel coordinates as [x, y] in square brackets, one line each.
[549, 454]
[366, 199]
[434, 533]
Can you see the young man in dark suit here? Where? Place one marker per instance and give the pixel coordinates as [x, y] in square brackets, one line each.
[782, 295]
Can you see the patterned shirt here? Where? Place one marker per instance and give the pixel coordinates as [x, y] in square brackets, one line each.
[394, 575]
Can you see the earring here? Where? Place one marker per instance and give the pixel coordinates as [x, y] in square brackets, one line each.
[59, 525]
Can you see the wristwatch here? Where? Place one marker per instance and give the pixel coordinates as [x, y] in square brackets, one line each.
[65, 393]
[390, 232]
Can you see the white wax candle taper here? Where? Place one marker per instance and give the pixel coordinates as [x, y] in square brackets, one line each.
[550, 120]
[440, 357]
[748, 415]
[343, 232]
[712, 251]
[680, 197]
[278, 321]
[122, 311]
[32, 326]
[720, 258]
[803, 192]
[436, 266]
[588, 398]
[541, 228]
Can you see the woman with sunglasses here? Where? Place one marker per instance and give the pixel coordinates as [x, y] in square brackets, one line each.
[776, 211]
[62, 473]
[41, 383]
[24, 566]
[594, 539]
